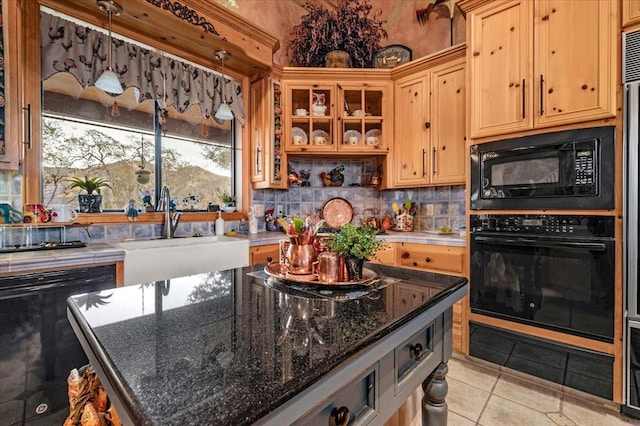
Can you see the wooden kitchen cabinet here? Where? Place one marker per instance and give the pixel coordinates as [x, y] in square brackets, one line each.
[267, 153]
[11, 136]
[542, 63]
[386, 256]
[411, 132]
[448, 124]
[434, 258]
[308, 130]
[442, 259]
[407, 297]
[429, 136]
[630, 13]
[357, 104]
[264, 254]
[362, 109]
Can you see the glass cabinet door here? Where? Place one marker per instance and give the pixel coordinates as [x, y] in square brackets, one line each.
[310, 113]
[362, 112]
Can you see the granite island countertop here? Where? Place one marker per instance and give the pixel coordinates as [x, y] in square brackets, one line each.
[230, 347]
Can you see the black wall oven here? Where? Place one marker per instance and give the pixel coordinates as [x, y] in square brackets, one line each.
[568, 170]
[549, 271]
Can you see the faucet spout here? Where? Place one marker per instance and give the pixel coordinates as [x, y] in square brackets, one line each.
[170, 221]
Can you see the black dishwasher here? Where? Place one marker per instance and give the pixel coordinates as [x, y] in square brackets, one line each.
[37, 345]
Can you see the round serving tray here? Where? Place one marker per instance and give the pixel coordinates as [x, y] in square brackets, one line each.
[278, 270]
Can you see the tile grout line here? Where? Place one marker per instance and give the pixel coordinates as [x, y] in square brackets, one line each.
[484, 406]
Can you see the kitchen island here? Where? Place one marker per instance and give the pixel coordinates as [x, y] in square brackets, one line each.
[238, 347]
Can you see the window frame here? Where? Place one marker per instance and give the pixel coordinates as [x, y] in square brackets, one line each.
[31, 96]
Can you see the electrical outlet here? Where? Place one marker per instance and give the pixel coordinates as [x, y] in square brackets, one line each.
[430, 210]
[259, 209]
[279, 211]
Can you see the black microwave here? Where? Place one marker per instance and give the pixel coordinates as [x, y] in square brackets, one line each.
[573, 169]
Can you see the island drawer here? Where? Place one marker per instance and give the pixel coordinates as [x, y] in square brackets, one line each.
[355, 404]
[431, 257]
[413, 355]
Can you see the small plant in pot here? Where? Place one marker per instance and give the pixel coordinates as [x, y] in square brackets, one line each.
[355, 244]
[90, 202]
[229, 202]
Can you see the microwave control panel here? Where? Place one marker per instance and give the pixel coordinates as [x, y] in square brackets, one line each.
[592, 226]
[584, 167]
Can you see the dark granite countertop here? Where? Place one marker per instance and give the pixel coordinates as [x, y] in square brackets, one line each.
[228, 347]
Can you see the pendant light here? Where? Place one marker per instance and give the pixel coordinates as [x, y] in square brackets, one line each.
[223, 112]
[109, 81]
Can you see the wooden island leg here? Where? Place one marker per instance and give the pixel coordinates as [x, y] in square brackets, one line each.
[434, 406]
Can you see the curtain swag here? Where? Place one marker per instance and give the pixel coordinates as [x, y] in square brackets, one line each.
[81, 51]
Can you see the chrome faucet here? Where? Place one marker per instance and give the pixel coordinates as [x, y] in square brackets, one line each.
[171, 220]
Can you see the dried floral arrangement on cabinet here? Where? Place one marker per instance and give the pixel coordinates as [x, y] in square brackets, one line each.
[350, 26]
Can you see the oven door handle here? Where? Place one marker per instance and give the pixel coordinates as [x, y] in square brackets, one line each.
[518, 241]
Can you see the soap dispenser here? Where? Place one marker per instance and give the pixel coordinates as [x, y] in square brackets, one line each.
[220, 224]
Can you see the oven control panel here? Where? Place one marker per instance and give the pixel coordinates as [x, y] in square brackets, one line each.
[577, 225]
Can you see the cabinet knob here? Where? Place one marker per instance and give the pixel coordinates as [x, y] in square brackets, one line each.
[339, 416]
[405, 255]
[415, 263]
[427, 125]
[427, 259]
[269, 259]
[416, 351]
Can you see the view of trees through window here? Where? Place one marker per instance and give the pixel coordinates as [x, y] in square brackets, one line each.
[196, 154]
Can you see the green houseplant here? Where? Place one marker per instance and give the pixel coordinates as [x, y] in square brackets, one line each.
[349, 26]
[90, 202]
[355, 244]
[229, 202]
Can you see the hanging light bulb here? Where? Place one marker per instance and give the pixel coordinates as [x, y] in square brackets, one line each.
[223, 112]
[109, 81]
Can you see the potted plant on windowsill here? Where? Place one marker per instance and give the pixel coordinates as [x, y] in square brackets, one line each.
[355, 244]
[90, 202]
[229, 202]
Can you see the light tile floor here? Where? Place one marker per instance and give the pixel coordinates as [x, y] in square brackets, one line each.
[484, 394]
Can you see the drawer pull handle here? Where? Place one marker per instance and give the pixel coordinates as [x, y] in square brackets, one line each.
[427, 259]
[405, 255]
[339, 416]
[416, 351]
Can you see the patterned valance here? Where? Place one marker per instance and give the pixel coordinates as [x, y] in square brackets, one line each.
[81, 51]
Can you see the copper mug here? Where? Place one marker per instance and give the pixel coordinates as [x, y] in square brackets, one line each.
[299, 259]
[327, 267]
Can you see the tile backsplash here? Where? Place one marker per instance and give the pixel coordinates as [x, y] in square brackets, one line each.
[437, 206]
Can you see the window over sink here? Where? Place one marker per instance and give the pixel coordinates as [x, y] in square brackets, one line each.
[153, 134]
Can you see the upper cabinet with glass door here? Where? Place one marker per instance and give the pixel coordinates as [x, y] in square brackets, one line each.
[331, 110]
[310, 118]
[363, 108]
